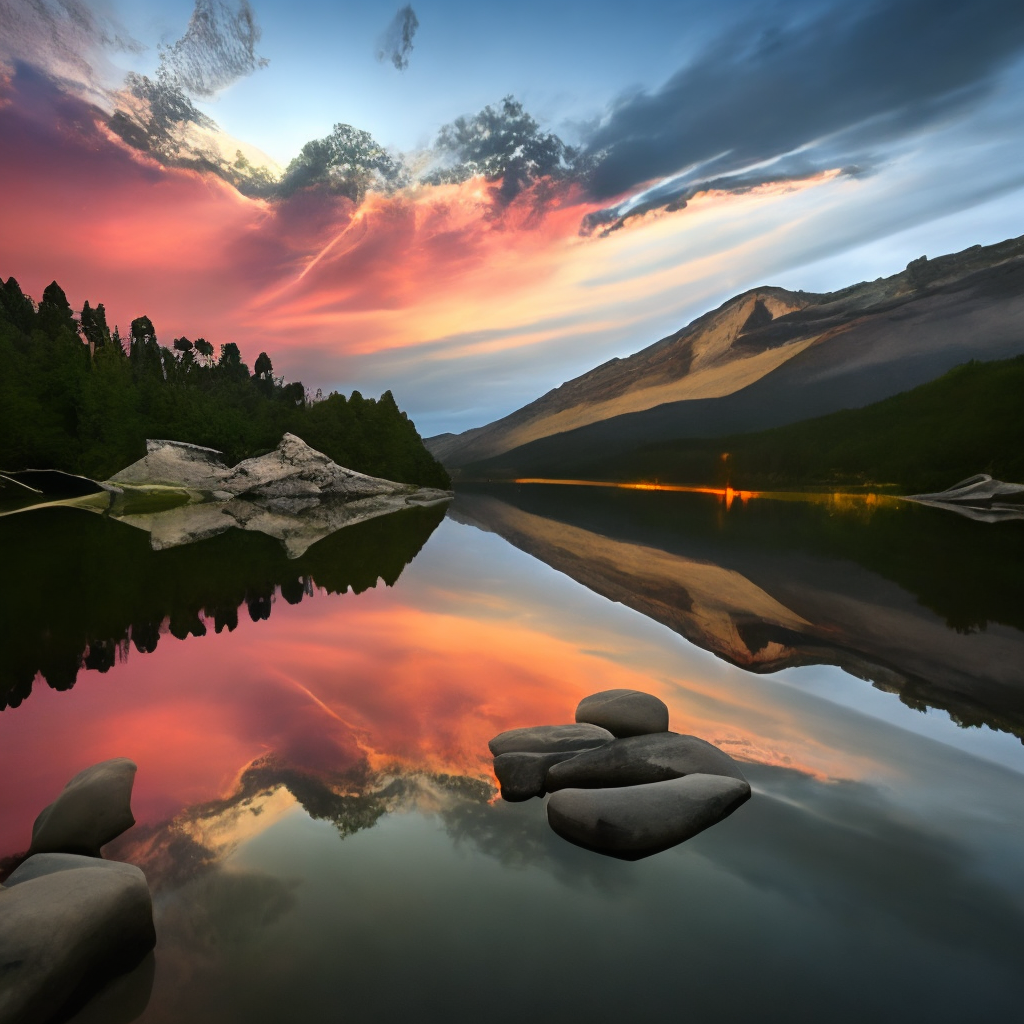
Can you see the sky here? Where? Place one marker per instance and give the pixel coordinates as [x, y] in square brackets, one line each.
[806, 143]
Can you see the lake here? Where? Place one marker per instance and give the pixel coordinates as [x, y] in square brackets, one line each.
[316, 811]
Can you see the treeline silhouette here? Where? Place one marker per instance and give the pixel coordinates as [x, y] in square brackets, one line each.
[76, 396]
[85, 590]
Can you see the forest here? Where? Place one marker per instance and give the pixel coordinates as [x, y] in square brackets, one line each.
[78, 397]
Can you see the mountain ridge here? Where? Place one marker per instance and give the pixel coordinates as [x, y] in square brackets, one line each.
[758, 360]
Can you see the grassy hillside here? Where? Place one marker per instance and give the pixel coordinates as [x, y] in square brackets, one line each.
[971, 420]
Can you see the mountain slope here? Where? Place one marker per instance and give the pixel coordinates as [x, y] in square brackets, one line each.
[967, 421]
[764, 359]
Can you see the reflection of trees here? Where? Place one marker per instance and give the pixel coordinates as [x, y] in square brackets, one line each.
[81, 590]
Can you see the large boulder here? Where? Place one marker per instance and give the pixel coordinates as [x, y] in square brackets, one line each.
[175, 464]
[638, 760]
[635, 821]
[295, 470]
[65, 932]
[624, 712]
[521, 774]
[543, 739]
[94, 808]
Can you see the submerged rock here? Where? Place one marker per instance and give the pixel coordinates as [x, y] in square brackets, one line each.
[521, 774]
[94, 808]
[636, 821]
[549, 738]
[65, 930]
[624, 712]
[638, 760]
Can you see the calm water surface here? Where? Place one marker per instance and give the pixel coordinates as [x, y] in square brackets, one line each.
[316, 812]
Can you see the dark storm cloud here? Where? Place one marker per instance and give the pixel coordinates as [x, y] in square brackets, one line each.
[395, 44]
[835, 87]
[218, 47]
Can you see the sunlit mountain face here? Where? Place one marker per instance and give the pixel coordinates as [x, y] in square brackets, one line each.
[468, 212]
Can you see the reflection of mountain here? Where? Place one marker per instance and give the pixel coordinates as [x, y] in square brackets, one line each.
[81, 589]
[769, 584]
[765, 358]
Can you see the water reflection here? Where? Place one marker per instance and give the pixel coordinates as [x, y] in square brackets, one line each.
[922, 604]
[316, 808]
[83, 590]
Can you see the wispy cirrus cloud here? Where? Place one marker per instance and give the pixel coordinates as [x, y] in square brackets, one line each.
[395, 45]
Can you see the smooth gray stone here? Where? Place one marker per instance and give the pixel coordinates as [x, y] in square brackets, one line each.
[64, 934]
[50, 863]
[521, 774]
[638, 760]
[543, 739]
[624, 712]
[94, 808]
[635, 821]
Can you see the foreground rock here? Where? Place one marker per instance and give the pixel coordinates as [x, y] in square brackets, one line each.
[522, 775]
[543, 739]
[632, 822]
[638, 760]
[94, 808]
[978, 497]
[624, 712]
[67, 925]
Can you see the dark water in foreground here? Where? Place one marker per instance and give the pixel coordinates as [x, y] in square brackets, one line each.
[315, 806]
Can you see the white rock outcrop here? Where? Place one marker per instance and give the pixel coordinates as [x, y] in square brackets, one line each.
[978, 497]
[292, 470]
[175, 464]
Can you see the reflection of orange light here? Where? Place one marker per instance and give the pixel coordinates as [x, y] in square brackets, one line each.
[836, 500]
[722, 492]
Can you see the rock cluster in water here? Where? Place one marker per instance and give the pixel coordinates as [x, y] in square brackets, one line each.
[69, 920]
[621, 784]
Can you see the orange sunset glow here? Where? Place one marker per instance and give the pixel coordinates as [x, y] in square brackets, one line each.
[429, 274]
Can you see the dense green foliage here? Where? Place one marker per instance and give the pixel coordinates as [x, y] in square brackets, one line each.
[971, 420]
[88, 406]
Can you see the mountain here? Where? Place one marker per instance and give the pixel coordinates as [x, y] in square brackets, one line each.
[965, 422]
[765, 358]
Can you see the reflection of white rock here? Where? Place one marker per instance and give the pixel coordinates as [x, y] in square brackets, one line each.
[297, 522]
[978, 497]
[300, 529]
[185, 524]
